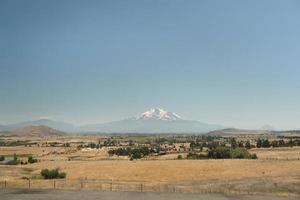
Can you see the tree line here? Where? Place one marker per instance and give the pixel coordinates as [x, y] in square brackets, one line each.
[265, 143]
[134, 153]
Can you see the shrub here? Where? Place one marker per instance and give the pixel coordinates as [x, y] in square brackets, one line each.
[15, 160]
[12, 162]
[254, 156]
[2, 158]
[23, 163]
[196, 156]
[31, 159]
[62, 175]
[240, 153]
[136, 154]
[52, 174]
[179, 157]
[15, 157]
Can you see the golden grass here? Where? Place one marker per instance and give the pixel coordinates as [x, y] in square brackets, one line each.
[94, 164]
[21, 150]
[278, 153]
[174, 170]
[272, 172]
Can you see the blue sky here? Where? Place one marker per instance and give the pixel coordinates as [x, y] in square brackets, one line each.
[235, 63]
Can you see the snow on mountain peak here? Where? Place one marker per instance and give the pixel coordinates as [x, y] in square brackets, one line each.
[159, 114]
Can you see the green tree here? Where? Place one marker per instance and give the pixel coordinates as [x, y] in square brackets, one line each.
[259, 143]
[220, 153]
[241, 144]
[274, 143]
[290, 143]
[227, 152]
[281, 143]
[247, 145]
[266, 143]
[192, 144]
[233, 143]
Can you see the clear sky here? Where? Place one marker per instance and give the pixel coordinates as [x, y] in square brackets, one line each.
[235, 63]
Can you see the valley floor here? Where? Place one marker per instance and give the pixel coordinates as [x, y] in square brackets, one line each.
[276, 172]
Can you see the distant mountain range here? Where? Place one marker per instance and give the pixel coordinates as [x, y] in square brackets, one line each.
[34, 131]
[235, 131]
[268, 128]
[155, 120]
[37, 131]
[45, 122]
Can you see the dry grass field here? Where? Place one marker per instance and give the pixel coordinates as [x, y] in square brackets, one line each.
[174, 170]
[275, 170]
[96, 164]
[265, 176]
[37, 151]
[283, 153]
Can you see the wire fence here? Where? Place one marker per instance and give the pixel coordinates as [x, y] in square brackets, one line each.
[118, 186]
[164, 187]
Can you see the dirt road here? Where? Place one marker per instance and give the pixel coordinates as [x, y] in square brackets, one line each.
[93, 195]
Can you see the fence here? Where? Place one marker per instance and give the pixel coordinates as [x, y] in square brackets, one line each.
[118, 186]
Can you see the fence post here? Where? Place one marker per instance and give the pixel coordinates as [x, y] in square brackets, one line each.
[111, 186]
[4, 183]
[141, 187]
[54, 184]
[29, 183]
[81, 184]
[100, 186]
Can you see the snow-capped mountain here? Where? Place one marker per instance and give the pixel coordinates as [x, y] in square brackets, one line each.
[155, 120]
[159, 114]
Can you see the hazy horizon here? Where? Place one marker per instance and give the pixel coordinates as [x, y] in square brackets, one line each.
[234, 63]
